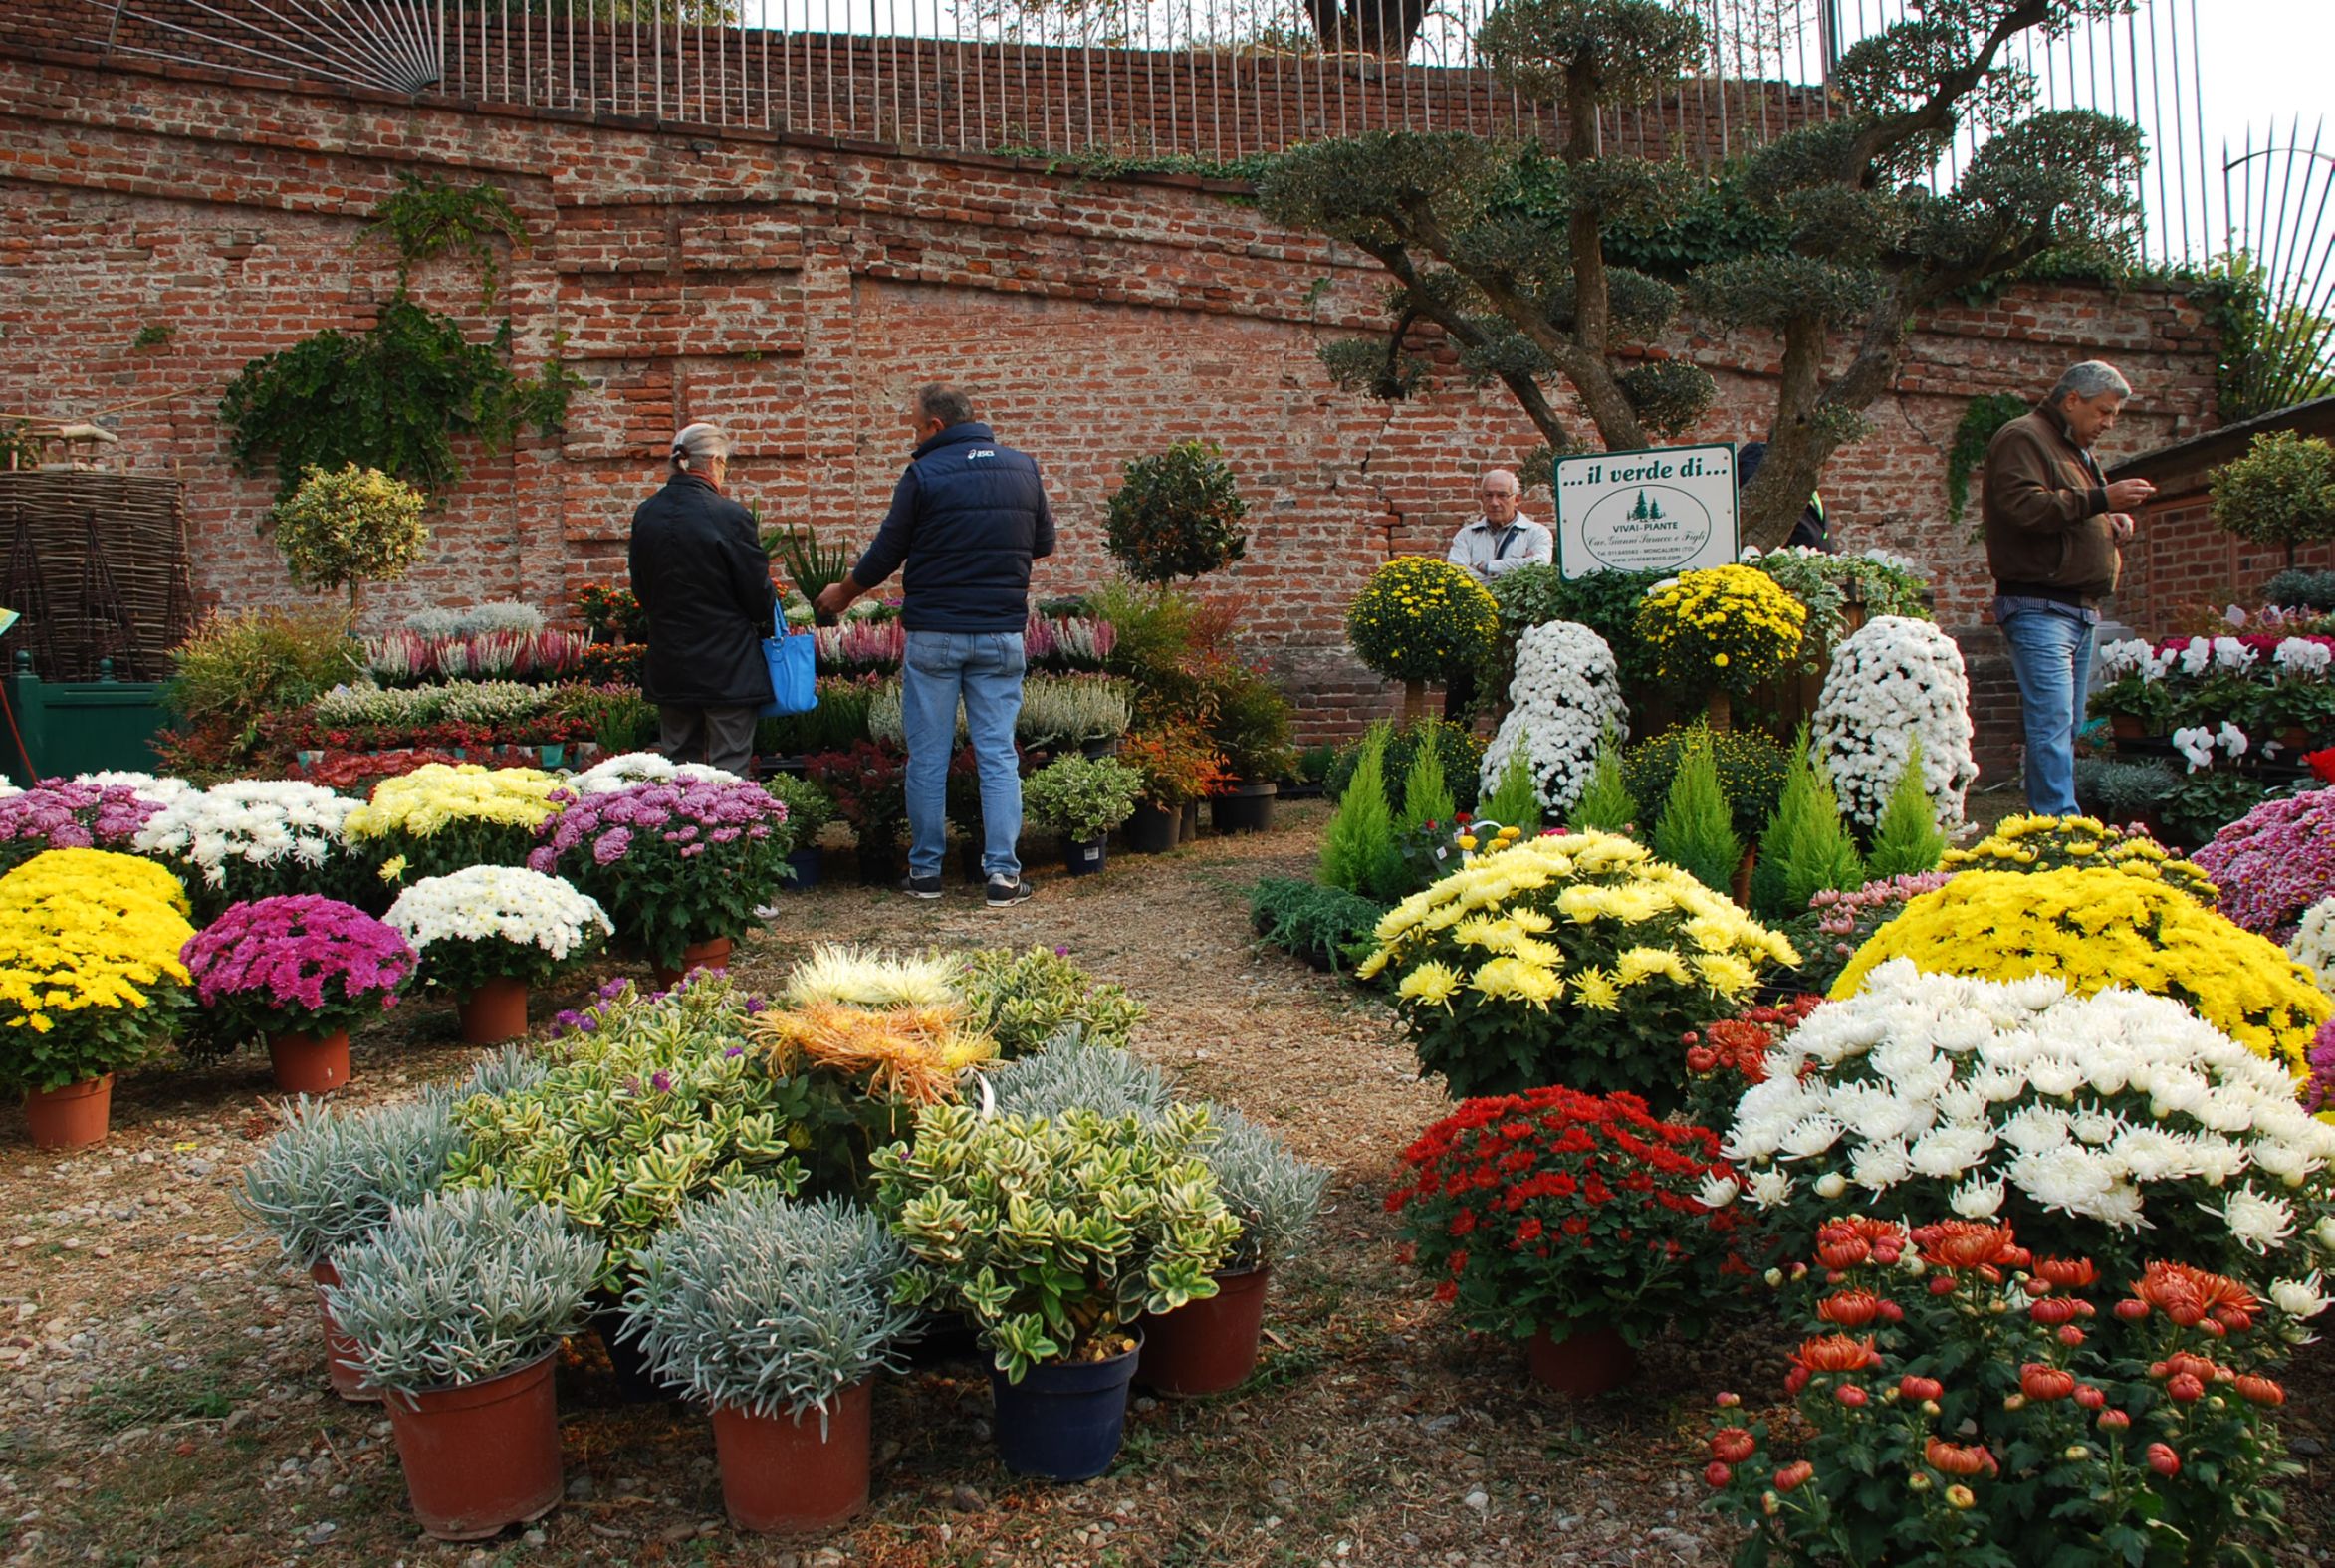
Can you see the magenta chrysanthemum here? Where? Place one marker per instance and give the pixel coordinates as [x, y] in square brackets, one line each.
[298, 962]
[2274, 863]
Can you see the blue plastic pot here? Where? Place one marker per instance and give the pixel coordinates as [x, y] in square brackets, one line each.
[805, 867]
[1063, 1422]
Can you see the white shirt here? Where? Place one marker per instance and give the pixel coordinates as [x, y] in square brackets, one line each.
[1489, 551]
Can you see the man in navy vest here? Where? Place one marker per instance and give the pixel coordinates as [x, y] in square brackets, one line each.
[967, 519]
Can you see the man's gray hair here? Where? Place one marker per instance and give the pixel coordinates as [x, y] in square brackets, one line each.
[941, 401]
[2087, 381]
[1512, 487]
[695, 448]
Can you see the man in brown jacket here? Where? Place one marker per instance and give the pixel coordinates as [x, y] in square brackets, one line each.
[2052, 524]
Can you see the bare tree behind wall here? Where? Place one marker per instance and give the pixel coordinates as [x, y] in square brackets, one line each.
[1558, 270]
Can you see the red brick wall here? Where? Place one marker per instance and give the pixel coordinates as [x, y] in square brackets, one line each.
[798, 292]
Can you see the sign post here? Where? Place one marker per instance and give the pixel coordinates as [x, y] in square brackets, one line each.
[1670, 509]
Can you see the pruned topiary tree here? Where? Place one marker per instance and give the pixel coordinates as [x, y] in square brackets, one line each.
[2282, 492]
[1829, 236]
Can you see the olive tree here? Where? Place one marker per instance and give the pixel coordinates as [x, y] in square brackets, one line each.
[1510, 251]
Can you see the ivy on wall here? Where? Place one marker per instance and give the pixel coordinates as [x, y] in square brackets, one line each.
[1980, 418]
[394, 396]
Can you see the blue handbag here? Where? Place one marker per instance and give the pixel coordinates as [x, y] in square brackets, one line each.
[793, 666]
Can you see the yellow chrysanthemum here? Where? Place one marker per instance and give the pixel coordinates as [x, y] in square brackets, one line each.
[1430, 984]
[1513, 980]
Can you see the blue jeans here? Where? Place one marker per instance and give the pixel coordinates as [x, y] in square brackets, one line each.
[2051, 654]
[983, 668]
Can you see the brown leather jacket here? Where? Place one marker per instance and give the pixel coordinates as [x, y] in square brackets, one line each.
[2044, 510]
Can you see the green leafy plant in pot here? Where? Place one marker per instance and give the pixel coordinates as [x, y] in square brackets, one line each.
[328, 1181]
[1251, 727]
[778, 1316]
[808, 811]
[1054, 1236]
[456, 1304]
[1082, 800]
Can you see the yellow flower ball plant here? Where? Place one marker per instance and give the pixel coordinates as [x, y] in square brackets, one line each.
[1419, 619]
[439, 819]
[2054, 843]
[1569, 957]
[2094, 929]
[1725, 626]
[89, 971]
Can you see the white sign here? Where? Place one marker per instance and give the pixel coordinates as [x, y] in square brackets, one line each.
[1670, 509]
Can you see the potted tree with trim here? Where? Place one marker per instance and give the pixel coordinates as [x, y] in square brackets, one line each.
[1082, 800]
[2282, 492]
[328, 1181]
[778, 1316]
[1209, 1345]
[1176, 514]
[488, 933]
[456, 1304]
[299, 970]
[1250, 727]
[345, 528]
[1054, 1236]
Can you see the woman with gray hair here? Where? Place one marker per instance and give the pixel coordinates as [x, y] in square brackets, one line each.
[704, 585]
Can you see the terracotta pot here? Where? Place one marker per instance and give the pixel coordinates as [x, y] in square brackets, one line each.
[73, 1117]
[342, 1359]
[782, 1476]
[1586, 1361]
[310, 1063]
[713, 954]
[1207, 1347]
[2126, 726]
[495, 1013]
[481, 1457]
[1720, 712]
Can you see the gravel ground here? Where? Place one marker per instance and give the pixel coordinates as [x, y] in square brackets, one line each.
[162, 1397]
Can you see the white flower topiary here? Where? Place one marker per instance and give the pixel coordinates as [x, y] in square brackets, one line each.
[1565, 692]
[1894, 681]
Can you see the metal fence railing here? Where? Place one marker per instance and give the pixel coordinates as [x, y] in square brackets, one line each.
[1216, 79]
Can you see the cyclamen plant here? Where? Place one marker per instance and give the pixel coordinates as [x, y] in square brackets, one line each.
[1961, 1399]
[1553, 1211]
[1892, 682]
[297, 962]
[673, 863]
[1567, 694]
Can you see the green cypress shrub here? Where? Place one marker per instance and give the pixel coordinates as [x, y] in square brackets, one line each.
[1426, 797]
[1358, 848]
[1696, 831]
[1514, 800]
[1605, 801]
[1906, 840]
[1806, 846]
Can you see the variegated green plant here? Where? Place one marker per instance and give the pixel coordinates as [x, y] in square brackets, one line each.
[1052, 1235]
[658, 1103]
[1022, 999]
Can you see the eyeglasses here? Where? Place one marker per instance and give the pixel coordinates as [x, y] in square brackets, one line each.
[1497, 495]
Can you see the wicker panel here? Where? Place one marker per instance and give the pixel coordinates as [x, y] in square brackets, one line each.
[96, 564]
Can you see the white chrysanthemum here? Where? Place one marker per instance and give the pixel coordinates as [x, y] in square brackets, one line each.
[1810, 1136]
[2257, 1222]
[259, 822]
[1950, 1150]
[1831, 1184]
[1976, 1199]
[1717, 1191]
[1881, 1166]
[498, 903]
[631, 768]
[1893, 681]
[1770, 1186]
[1565, 695]
[2067, 1177]
[2299, 1299]
[2313, 946]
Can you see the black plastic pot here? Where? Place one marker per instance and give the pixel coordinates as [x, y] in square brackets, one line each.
[635, 1385]
[1244, 809]
[804, 863]
[1153, 829]
[879, 864]
[1084, 859]
[1063, 1422]
[1190, 826]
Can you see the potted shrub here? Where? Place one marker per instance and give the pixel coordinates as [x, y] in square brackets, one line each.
[2282, 492]
[1023, 1000]
[254, 838]
[1208, 1346]
[2130, 690]
[808, 811]
[456, 1305]
[1251, 727]
[778, 1316]
[488, 933]
[648, 1101]
[1179, 768]
[1592, 1233]
[438, 819]
[867, 781]
[1176, 514]
[91, 982]
[299, 970]
[1720, 631]
[347, 527]
[1062, 714]
[680, 866]
[1082, 800]
[327, 1180]
[1418, 619]
[1054, 1236]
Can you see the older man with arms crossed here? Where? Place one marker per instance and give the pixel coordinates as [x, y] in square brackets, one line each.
[1497, 542]
[2052, 524]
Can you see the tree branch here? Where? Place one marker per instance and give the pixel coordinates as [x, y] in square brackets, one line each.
[1937, 111]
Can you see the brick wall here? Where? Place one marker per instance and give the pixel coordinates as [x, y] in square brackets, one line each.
[797, 290]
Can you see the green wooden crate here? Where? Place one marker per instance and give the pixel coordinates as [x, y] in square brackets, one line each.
[79, 727]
